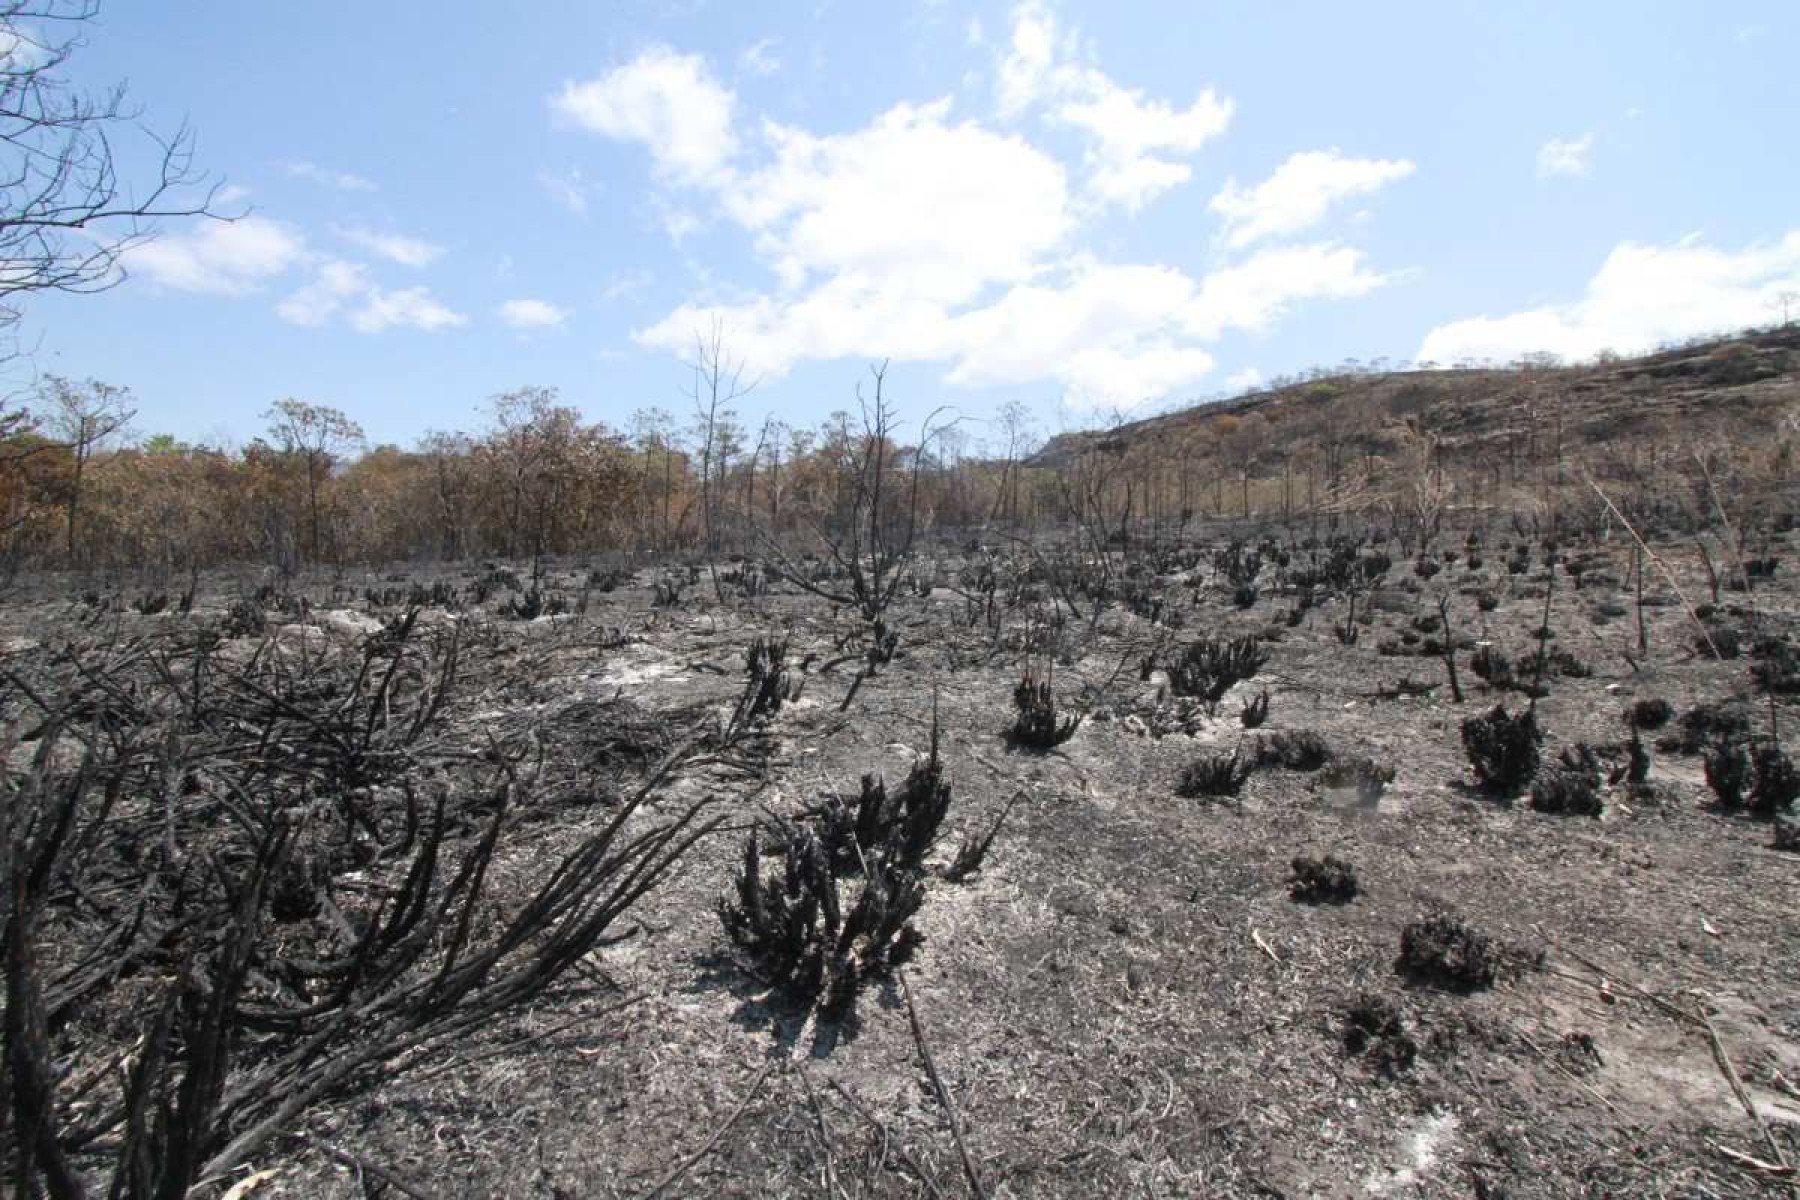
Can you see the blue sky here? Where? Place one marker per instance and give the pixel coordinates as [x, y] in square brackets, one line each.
[1088, 208]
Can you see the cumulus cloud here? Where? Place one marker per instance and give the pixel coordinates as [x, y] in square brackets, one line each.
[930, 235]
[404, 308]
[343, 181]
[1300, 193]
[1111, 334]
[1641, 296]
[333, 284]
[669, 102]
[532, 314]
[223, 258]
[1131, 137]
[338, 288]
[940, 208]
[395, 247]
[1565, 156]
[1242, 381]
[759, 58]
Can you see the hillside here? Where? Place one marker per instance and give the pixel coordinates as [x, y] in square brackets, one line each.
[1733, 387]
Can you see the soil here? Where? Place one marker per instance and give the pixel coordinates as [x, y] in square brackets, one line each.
[1125, 1000]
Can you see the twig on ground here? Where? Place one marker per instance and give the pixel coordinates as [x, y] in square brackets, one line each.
[943, 1091]
[687, 1164]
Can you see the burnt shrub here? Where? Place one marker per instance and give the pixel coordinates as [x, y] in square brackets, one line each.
[1298, 750]
[1375, 1029]
[1652, 713]
[1208, 668]
[1255, 710]
[1502, 749]
[1213, 775]
[1777, 666]
[1037, 725]
[1571, 787]
[837, 911]
[1326, 880]
[1774, 782]
[1704, 725]
[1728, 774]
[1493, 667]
[1445, 952]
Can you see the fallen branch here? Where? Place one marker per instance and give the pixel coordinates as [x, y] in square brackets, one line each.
[687, 1164]
[943, 1092]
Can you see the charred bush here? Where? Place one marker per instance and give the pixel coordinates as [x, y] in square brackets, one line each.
[768, 683]
[1571, 787]
[1446, 952]
[1704, 725]
[1213, 775]
[1037, 725]
[1208, 668]
[1502, 749]
[1255, 710]
[1293, 750]
[837, 912]
[1375, 1029]
[1326, 880]
[1651, 713]
[1492, 667]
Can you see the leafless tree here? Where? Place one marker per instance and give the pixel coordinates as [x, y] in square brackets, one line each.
[66, 216]
[718, 382]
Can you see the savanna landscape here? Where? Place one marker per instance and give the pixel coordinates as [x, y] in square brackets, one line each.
[1378, 782]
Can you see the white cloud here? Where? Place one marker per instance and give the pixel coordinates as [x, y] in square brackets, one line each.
[1565, 157]
[532, 314]
[924, 235]
[334, 283]
[939, 209]
[1255, 293]
[1299, 193]
[345, 288]
[1130, 135]
[405, 308]
[224, 258]
[1640, 297]
[568, 189]
[1110, 334]
[1239, 382]
[344, 181]
[668, 101]
[759, 59]
[395, 247]
[625, 283]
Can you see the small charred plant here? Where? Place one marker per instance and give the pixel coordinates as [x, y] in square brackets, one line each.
[1502, 749]
[1757, 778]
[1325, 880]
[974, 850]
[1492, 667]
[1652, 713]
[1445, 952]
[1375, 1029]
[1297, 750]
[1704, 726]
[1572, 786]
[768, 683]
[1209, 668]
[1255, 710]
[1037, 725]
[800, 925]
[1213, 775]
